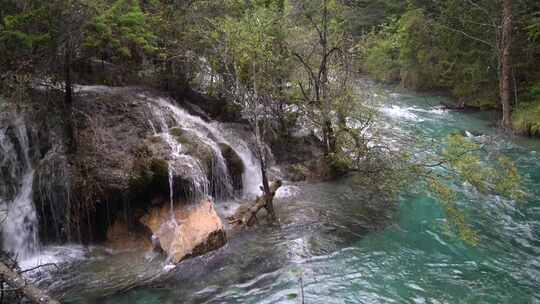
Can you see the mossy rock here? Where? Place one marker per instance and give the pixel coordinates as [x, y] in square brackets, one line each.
[177, 132]
[149, 176]
[298, 172]
[234, 164]
[181, 135]
[155, 139]
[203, 153]
[337, 165]
[195, 147]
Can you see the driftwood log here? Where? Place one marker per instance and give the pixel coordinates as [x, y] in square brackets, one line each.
[246, 215]
[17, 282]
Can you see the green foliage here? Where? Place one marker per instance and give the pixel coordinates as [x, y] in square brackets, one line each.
[526, 119]
[298, 172]
[507, 180]
[497, 175]
[338, 164]
[379, 51]
[418, 54]
[17, 31]
[462, 155]
[23, 34]
[249, 45]
[403, 49]
[463, 163]
[456, 218]
[292, 296]
[122, 31]
[533, 28]
[177, 132]
[425, 49]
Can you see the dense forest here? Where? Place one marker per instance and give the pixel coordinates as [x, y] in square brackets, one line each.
[483, 53]
[124, 121]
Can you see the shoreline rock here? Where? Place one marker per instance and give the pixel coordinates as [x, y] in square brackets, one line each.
[189, 231]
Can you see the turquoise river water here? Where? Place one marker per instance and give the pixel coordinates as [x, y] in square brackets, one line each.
[326, 243]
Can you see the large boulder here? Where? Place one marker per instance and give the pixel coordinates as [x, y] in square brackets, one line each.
[188, 231]
[122, 162]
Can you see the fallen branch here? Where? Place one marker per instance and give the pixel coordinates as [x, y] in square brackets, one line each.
[17, 282]
[38, 267]
[246, 215]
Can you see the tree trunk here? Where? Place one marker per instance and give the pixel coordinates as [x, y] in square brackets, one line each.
[328, 131]
[246, 215]
[327, 124]
[16, 281]
[68, 100]
[267, 190]
[505, 74]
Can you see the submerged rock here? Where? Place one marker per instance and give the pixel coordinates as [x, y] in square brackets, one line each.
[190, 230]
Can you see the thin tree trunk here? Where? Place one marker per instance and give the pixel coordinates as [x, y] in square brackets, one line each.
[68, 100]
[505, 75]
[328, 132]
[258, 136]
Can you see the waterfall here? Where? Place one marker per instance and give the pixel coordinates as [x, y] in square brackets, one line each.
[219, 180]
[19, 218]
[252, 177]
[197, 163]
[19, 229]
[212, 135]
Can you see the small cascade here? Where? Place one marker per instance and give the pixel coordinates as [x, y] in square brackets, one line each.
[219, 175]
[199, 185]
[168, 117]
[19, 218]
[14, 160]
[19, 229]
[252, 177]
[214, 134]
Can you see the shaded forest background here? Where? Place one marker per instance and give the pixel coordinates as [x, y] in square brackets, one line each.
[452, 45]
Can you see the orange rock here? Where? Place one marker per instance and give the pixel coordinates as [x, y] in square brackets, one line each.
[193, 230]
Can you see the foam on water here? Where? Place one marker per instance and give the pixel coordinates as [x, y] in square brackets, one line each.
[395, 111]
[287, 191]
[54, 255]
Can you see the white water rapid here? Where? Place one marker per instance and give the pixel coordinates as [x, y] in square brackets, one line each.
[19, 221]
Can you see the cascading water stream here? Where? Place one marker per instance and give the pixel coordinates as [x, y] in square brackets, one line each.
[252, 177]
[19, 222]
[213, 137]
[171, 192]
[19, 229]
[219, 175]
